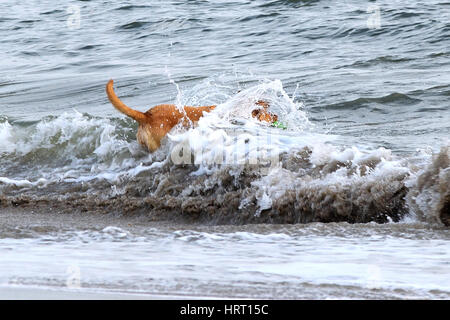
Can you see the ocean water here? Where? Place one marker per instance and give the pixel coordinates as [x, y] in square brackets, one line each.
[351, 200]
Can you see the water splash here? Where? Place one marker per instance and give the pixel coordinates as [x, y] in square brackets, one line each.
[229, 167]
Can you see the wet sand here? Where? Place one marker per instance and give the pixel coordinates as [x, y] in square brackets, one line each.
[30, 293]
[55, 220]
[133, 257]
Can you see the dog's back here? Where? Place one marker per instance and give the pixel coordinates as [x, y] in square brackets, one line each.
[158, 121]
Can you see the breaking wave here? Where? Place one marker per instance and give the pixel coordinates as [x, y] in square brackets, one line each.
[228, 169]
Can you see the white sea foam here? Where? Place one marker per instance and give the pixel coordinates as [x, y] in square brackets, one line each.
[23, 182]
[229, 135]
[6, 138]
[78, 148]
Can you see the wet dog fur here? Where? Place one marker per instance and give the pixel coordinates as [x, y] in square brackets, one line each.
[159, 120]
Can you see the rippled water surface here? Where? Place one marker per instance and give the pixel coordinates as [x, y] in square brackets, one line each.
[311, 261]
[364, 90]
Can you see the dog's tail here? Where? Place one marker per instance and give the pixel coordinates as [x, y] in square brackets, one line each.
[122, 107]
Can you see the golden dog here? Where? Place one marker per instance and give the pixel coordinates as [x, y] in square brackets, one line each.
[159, 120]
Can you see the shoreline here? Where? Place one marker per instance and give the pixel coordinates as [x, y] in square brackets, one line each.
[19, 292]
